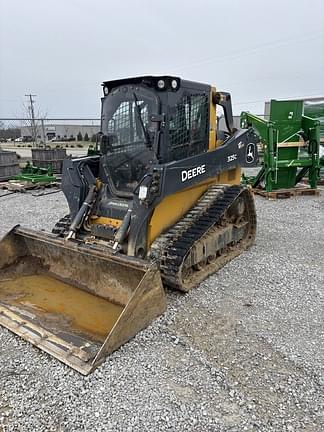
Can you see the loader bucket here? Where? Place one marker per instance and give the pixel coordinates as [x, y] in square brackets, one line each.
[76, 301]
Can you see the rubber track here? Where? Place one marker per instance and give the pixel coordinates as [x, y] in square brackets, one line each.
[171, 248]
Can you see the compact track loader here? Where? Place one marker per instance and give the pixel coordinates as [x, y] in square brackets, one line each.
[158, 204]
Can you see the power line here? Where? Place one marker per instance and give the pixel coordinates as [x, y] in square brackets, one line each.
[243, 53]
[312, 96]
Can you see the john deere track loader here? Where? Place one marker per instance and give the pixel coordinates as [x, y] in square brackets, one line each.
[158, 204]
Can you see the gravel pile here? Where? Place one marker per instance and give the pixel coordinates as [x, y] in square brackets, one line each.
[243, 352]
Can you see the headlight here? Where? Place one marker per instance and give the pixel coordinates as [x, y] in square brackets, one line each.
[106, 90]
[161, 84]
[174, 84]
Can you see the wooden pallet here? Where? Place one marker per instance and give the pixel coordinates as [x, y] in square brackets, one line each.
[22, 186]
[287, 193]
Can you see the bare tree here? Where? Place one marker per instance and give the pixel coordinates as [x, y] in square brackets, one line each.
[35, 120]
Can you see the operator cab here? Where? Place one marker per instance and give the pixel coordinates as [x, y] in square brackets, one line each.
[128, 132]
[147, 121]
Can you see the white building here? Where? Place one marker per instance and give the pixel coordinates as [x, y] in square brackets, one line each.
[59, 131]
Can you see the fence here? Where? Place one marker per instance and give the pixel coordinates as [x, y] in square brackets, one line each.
[61, 132]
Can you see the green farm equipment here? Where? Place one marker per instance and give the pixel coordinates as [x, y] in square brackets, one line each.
[34, 174]
[315, 109]
[290, 142]
[92, 151]
[321, 179]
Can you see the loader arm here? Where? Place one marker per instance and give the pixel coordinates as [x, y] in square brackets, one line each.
[240, 149]
[223, 99]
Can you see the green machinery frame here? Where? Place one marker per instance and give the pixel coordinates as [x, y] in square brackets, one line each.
[34, 174]
[290, 143]
[315, 109]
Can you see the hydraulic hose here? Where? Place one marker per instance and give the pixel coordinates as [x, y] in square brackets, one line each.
[121, 233]
[84, 209]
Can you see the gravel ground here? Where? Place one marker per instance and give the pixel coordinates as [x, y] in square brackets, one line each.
[243, 352]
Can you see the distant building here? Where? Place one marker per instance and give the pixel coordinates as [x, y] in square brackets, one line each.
[60, 131]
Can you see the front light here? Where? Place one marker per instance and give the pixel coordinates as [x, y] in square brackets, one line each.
[106, 90]
[161, 84]
[174, 84]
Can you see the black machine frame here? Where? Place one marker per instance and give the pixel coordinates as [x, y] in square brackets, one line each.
[163, 177]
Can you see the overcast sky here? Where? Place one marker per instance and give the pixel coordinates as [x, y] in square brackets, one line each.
[62, 50]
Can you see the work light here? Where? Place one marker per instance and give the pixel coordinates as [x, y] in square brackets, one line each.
[161, 84]
[174, 84]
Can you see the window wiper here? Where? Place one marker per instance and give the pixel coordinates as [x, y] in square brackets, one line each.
[145, 132]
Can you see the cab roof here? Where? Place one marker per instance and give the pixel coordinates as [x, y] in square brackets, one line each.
[151, 81]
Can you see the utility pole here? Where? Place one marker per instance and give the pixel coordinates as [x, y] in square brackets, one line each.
[32, 114]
